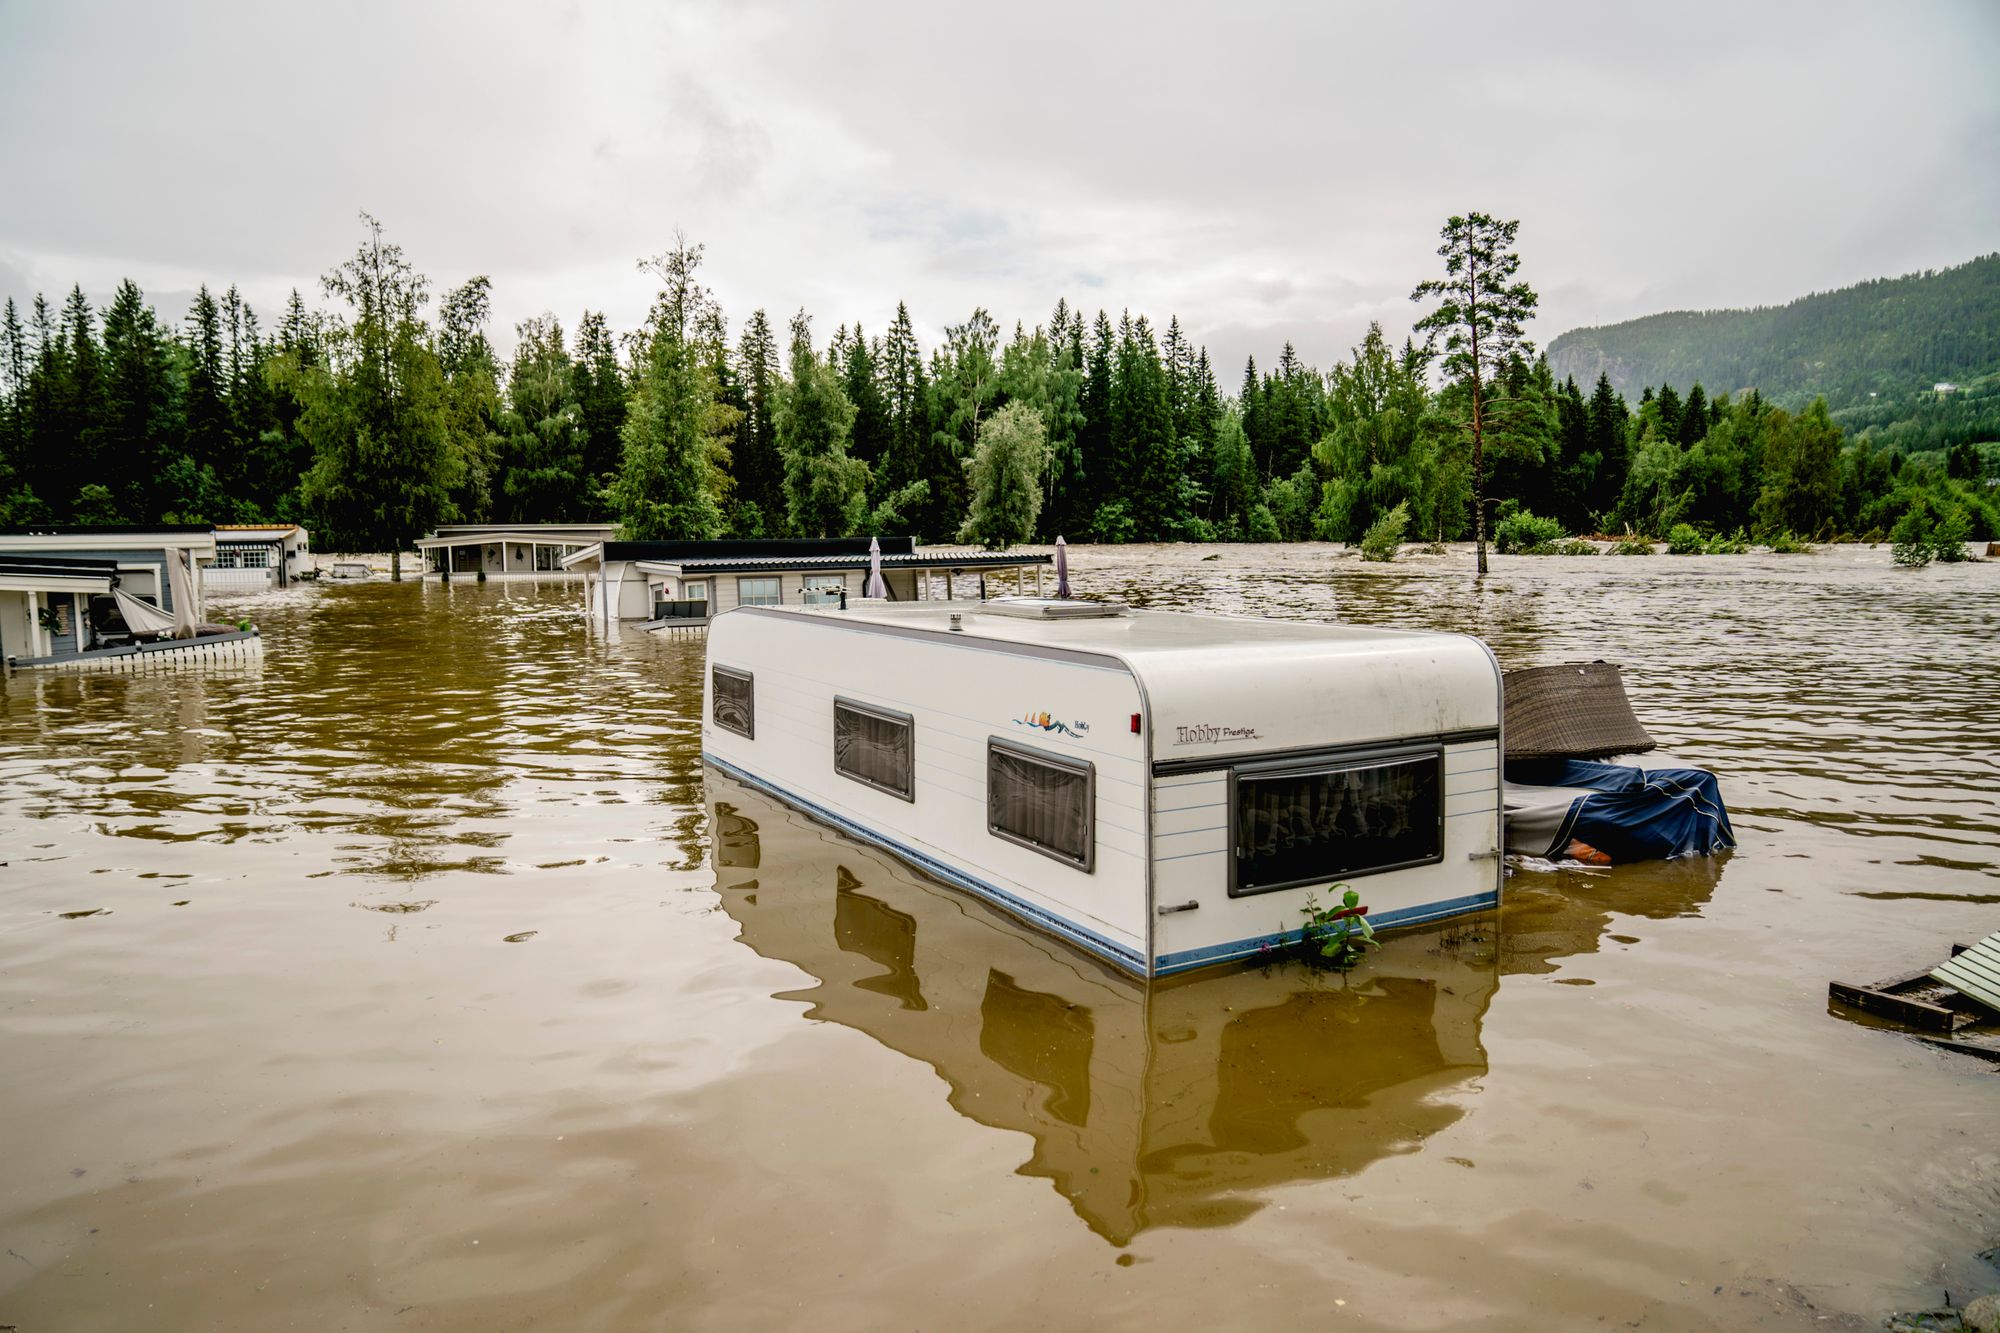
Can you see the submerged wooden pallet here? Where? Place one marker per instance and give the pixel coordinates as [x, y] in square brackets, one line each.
[1916, 999]
[1975, 971]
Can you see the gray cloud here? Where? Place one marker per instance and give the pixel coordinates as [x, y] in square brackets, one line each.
[1269, 171]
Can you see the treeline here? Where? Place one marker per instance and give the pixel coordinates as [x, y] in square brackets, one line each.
[376, 418]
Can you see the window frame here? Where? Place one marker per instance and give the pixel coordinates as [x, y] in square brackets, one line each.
[742, 579]
[749, 730]
[1048, 759]
[1330, 761]
[905, 720]
[811, 595]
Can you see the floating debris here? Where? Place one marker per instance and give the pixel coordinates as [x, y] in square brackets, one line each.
[523, 935]
[71, 916]
[396, 907]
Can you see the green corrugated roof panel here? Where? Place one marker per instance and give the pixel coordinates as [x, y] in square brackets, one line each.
[1976, 972]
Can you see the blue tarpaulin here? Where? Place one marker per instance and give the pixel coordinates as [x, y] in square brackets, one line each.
[1629, 814]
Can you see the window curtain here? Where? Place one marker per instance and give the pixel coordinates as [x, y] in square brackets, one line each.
[1048, 806]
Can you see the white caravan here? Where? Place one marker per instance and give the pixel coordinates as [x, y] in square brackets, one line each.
[1165, 790]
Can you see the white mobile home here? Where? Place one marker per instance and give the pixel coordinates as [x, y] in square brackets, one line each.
[250, 557]
[1164, 790]
[508, 550]
[685, 583]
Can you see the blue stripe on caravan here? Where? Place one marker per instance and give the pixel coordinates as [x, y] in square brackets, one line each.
[1121, 955]
[1188, 959]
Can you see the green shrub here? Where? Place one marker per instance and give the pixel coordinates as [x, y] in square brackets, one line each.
[1385, 535]
[1576, 547]
[1522, 533]
[1633, 545]
[1684, 540]
[1922, 535]
[1787, 543]
[1734, 544]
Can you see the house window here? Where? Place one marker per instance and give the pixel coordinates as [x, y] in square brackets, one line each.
[759, 592]
[1317, 823]
[1042, 801]
[733, 705]
[260, 558]
[225, 560]
[695, 592]
[548, 557]
[824, 589]
[874, 746]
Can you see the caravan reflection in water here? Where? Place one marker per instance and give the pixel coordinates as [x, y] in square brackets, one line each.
[1168, 1105]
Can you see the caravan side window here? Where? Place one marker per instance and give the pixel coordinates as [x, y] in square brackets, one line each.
[1042, 801]
[734, 704]
[874, 746]
[1298, 824]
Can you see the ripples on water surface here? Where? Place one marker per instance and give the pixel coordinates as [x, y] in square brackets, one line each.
[415, 995]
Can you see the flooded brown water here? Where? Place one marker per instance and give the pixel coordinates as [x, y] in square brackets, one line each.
[430, 984]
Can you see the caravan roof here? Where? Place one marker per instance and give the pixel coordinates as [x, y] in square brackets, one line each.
[1225, 685]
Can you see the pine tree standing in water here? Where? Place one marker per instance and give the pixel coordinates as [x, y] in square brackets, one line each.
[1479, 315]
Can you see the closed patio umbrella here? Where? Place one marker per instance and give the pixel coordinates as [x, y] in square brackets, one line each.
[1062, 568]
[875, 586]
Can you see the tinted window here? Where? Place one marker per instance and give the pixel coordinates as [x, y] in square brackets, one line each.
[1336, 821]
[1042, 801]
[874, 746]
[734, 701]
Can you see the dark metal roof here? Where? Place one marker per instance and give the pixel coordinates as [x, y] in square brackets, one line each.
[792, 550]
[105, 529]
[57, 566]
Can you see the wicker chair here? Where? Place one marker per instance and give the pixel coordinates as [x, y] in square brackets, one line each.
[1577, 710]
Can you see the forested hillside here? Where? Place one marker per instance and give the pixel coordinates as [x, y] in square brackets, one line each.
[1893, 338]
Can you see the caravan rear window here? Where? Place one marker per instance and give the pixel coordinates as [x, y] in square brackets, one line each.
[733, 701]
[1042, 801]
[1301, 824]
[873, 746]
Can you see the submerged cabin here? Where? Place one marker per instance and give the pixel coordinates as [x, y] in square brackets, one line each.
[508, 550]
[114, 597]
[687, 583]
[250, 557]
[1164, 790]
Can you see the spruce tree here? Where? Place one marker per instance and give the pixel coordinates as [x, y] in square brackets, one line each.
[1480, 312]
[826, 492]
[601, 398]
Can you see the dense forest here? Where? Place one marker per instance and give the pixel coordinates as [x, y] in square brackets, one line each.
[1876, 352]
[379, 413]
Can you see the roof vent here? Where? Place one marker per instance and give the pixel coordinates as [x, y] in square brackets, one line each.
[1052, 608]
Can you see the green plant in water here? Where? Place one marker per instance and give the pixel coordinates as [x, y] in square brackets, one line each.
[1336, 937]
[1576, 546]
[1789, 543]
[1682, 539]
[1525, 533]
[1633, 545]
[244, 624]
[1734, 544]
[1385, 535]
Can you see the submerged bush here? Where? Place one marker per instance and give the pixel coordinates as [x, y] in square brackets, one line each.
[1789, 543]
[1734, 544]
[1921, 535]
[1684, 540]
[1576, 546]
[1385, 535]
[1523, 533]
[1633, 545]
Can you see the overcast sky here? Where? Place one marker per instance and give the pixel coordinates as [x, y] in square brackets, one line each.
[1266, 171]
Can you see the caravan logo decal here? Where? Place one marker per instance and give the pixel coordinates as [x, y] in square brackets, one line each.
[1046, 722]
[1204, 733]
